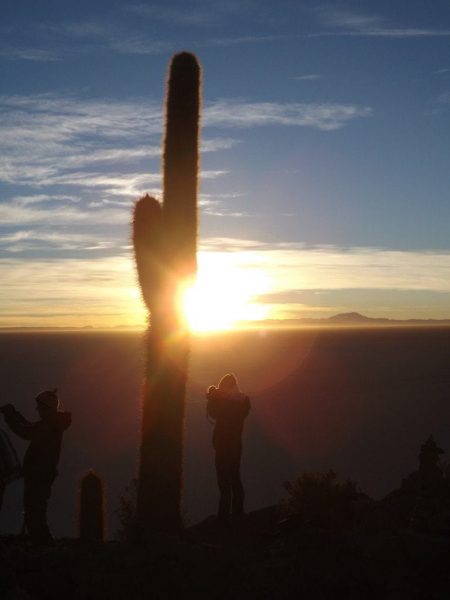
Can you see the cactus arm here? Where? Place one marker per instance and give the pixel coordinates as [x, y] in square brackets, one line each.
[147, 229]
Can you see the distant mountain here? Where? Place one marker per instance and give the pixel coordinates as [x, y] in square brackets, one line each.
[352, 317]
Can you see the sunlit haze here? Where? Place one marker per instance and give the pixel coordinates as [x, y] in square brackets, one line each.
[225, 294]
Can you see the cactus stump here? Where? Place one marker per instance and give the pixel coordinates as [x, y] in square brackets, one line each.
[91, 519]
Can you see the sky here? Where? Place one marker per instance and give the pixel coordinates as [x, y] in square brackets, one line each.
[325, 170]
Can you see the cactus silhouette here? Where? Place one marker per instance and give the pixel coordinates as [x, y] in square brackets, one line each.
[164, 238]
[91, 519]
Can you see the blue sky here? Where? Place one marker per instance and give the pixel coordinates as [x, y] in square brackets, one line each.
[325, 160]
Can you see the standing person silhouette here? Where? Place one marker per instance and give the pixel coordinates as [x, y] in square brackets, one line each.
[228, 407]
[40, 460]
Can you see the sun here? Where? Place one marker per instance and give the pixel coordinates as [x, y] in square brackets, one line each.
[224, 295]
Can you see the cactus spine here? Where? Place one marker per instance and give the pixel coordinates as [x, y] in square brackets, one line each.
[91, 521]
[165, 237]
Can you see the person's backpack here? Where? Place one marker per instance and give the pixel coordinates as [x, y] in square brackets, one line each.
[10, 469]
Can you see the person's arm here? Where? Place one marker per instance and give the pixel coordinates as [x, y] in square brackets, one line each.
[17, 422]
[212, 407]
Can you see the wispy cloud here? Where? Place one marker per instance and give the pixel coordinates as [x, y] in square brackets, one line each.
[47, 140]
[81, 163]
[224, 212]
[311, 77]
[31, 54]
[70, 291]
[215, 144]
[296, 266]
[64, 40]
[38, 240]
[335, 17]
[184, 16]
[130, 184]
[41, 198]
[62, 210]
[404, 33]
[15, 214]
[50, 140]
[91, 34]
[246, 39]
[140, 45]
[326, 117]
[222, 205]
[199, 13]
[352, 23]
[443, 98]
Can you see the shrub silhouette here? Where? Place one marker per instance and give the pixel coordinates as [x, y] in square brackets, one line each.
[321, 500]
[165, 237]
[91, 518]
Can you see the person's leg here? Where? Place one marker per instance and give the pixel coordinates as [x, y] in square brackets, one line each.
[224, 483]
[35, 499]
[237, 488]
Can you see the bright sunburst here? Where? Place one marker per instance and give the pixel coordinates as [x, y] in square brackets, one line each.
[224, 295]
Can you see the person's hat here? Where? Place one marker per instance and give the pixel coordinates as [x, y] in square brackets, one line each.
[49, 399]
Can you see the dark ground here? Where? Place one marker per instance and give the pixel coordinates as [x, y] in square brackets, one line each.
[359, 401]
[259, 559]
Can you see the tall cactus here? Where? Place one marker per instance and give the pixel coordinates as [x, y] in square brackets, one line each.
[165, 237]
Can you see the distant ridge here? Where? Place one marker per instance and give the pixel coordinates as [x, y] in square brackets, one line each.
[355, 318]
[349, 319]
[87, 328]
[352, 319]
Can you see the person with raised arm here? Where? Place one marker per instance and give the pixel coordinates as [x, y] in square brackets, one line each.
[228, 407]
[40, 460]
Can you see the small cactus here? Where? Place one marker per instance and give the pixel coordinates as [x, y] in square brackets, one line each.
[165, 237]
[91, 520]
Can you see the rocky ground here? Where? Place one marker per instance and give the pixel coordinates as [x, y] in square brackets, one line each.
[258, 558]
